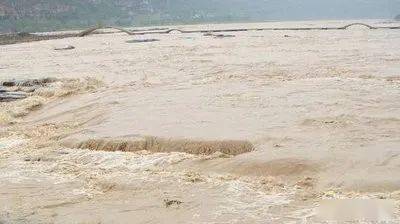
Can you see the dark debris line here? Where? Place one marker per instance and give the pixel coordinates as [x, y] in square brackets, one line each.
[8, 96]
[14, 38]
[13, 90]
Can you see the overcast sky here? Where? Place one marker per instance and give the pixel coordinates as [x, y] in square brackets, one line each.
[311, 9]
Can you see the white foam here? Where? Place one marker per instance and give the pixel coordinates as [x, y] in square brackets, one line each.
[7, 143]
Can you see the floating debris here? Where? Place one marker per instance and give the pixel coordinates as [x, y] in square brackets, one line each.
[223, 35]
[28, 82]
[13, 90]
[6, 96]
[168, 203]
[218, 35]
[67, 47]
[142, 41]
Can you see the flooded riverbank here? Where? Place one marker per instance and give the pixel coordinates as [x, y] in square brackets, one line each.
[256, 127]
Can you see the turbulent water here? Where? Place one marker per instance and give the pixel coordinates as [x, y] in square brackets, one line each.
[298, 116]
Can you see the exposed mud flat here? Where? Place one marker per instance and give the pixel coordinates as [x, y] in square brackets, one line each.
[255, 128]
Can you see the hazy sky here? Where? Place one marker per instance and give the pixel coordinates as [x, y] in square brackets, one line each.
[311, 9]
[33, 15]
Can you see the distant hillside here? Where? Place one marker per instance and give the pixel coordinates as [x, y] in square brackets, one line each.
[43, 15]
